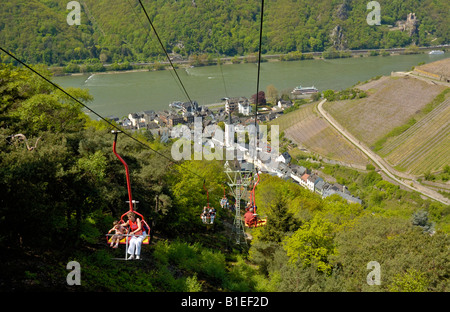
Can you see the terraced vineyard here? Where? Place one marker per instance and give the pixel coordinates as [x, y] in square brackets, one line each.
[392, 103]
[423, 147]
[306, 128]
[385, 122]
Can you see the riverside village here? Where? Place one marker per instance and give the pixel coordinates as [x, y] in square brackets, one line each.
[237, 113]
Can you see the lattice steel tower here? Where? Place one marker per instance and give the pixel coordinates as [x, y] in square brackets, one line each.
[240, 179]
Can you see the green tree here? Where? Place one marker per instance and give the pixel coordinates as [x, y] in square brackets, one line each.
[420, 219]
[312, 243]
[329, 95]
[281, 222]
[397, 246]
[272, 94]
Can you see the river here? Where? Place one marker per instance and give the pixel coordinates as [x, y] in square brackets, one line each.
[123, 93]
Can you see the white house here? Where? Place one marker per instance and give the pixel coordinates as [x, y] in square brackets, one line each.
[304, 180]
[126, 123]
[134, 118]
[312, 181]
[284, 104]
[231, 104]
[244, 108]
[284, 158]
[297, 172]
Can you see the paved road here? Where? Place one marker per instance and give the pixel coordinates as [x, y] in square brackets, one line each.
[380, 162]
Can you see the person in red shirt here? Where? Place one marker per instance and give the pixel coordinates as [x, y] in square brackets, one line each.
[250, 217]
[135, 224]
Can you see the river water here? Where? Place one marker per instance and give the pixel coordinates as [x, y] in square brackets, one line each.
[123, 93]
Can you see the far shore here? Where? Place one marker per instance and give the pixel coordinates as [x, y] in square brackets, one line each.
[228, 61]
[105, 73]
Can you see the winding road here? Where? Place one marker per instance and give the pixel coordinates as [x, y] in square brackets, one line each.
[413, 185]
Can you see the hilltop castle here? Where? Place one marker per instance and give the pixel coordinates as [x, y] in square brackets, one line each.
[410, 25]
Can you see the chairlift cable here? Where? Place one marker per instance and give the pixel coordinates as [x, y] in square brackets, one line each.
[259, 60]
[221, 72]
[165, 51]
[207, 193]
[92, 111]
[219, 62]
[148, 32]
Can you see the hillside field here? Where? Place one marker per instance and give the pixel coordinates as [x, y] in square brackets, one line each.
[307, 129]
[404, 120]
[424, 147]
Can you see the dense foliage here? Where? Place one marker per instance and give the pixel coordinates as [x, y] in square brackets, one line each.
[117, 31]
[314, 244]
[63, 187]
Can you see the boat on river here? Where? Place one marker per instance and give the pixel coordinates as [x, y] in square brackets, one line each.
[301, 90]
[436, 52]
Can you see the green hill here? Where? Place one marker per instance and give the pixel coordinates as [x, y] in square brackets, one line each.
[115, 31]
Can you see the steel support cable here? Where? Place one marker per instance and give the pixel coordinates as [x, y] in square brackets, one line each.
[259, 60]
[219, 62]
[221, 71]
[148, 32]
[92, 111]
[165, 51]
[257, 80]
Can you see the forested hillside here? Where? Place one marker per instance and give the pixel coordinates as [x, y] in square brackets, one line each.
[117, 31]
[62, 188]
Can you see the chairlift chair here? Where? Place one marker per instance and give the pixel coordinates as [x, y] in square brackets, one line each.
[208, 217]
[224, 201]
[132, 204]
[259, 221]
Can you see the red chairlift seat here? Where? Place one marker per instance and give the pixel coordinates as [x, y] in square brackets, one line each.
[224, 203]
[126, 237]
[257, 221]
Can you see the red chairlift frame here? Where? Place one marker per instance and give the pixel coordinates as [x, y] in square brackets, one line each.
[259, 221]
[127, 237]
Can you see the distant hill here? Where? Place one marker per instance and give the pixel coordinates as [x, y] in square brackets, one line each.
[116, 30]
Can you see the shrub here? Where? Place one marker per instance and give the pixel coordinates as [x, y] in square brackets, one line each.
[213, 264]
[192, 284]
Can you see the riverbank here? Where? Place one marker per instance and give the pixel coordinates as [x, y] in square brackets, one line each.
[58, 71]
[142, 90]
[107, 73]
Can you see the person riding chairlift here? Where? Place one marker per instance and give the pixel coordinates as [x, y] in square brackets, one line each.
[205, 214]
[212, 215]
[224, 202]
[250, 218]
[136, 229]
